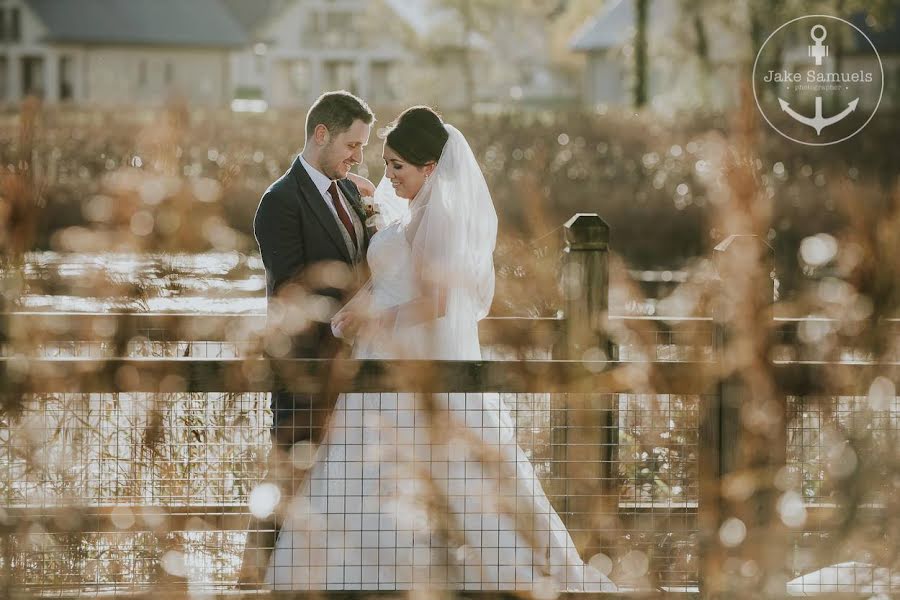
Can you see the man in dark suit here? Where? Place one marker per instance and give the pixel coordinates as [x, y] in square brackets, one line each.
[310, 227]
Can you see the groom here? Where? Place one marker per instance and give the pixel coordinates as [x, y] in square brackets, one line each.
[310, 227]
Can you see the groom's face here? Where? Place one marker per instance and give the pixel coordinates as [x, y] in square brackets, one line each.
[344, 151]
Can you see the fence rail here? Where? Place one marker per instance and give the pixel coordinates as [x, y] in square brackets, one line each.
[99, 335]
[187, 327]
[179, 375]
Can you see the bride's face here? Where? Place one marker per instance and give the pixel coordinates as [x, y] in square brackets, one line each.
[406, 178]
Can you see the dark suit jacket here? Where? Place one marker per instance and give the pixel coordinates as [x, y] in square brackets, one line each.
[296, 230]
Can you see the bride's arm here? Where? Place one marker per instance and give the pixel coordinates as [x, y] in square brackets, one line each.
[348, 321]
[365, 187]
[415, 312]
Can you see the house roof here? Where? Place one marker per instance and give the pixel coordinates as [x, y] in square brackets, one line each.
[252, 14]
[416, 14]
[440, 25]
[198, 23]
[614, 25]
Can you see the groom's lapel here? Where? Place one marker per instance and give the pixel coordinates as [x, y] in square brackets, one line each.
[311, 196]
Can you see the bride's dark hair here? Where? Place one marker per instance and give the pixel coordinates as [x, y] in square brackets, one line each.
[417, 135]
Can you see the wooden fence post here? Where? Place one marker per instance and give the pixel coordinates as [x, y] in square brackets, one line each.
[585, 286]
[738, 463]
[585, 425]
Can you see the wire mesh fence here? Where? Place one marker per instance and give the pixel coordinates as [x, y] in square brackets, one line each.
[119, 491]
[840, 529]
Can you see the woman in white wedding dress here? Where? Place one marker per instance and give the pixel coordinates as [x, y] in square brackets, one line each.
[415, 490]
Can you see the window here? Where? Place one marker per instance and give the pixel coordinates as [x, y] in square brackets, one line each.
[339, 29]
[382, 84]
[2, 24]
[4, 70]
[892, 90]
[66, 75]
[341, 75]
[33, 76]
[300, 77]
[338, 20]
[15, 32]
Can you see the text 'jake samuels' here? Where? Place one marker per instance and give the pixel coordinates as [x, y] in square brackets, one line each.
[813, 76]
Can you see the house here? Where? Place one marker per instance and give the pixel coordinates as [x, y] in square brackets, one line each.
[299, 48]
[261, 53]
[853, 53]
[676, 78]
[208, 52]
[507, 56]
[117, 52]
[886, 39]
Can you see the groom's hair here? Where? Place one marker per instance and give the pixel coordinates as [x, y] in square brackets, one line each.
[337, 111]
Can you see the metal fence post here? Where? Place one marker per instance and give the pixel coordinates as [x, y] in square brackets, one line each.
[585, 425]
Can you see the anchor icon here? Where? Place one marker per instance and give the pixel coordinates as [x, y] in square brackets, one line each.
[818, 122]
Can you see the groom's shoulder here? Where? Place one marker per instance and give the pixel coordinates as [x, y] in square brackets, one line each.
[286, 184]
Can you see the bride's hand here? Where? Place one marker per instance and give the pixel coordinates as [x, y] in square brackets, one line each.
[365, 187]
[348, 323]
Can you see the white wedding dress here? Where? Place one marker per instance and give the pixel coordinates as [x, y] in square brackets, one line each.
[411, 490]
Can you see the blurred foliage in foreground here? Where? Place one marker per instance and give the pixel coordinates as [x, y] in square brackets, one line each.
[807, 472]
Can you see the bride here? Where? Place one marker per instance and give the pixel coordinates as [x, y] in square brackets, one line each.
[413, 490]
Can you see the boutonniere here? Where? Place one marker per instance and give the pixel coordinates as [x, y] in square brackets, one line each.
[373, 214]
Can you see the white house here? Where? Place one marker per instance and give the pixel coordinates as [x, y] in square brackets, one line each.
[856, 55]
[390, 52]
[300, 48]
[280, 53]
[117, 52]
[510, 64]
[676, 79]
[676, 76]
[142, 52]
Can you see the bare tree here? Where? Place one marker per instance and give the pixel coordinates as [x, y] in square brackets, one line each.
[642, 9]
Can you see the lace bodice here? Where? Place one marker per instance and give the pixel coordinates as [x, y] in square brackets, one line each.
[390, 261]
[394, 284]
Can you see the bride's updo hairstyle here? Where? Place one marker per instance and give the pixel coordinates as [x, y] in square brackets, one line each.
[417, 135]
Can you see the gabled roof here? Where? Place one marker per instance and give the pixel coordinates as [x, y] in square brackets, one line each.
[252, 14]
[440, 25]
[416, 14]
[614, 25]
[197, 23]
